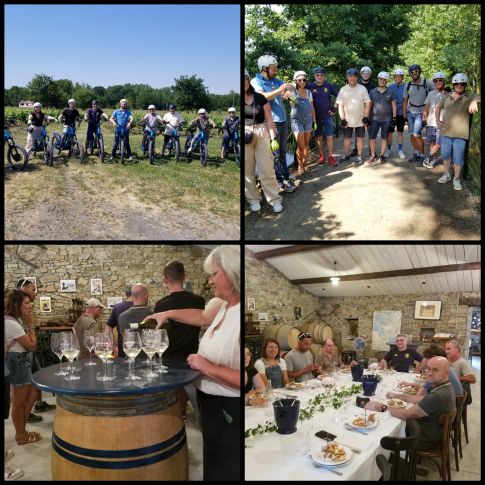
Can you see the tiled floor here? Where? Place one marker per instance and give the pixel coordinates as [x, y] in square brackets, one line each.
[34, 459]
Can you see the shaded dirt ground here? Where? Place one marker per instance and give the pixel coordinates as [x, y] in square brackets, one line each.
[393, 201]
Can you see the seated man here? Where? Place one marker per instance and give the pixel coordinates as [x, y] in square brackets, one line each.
[326, 359]
[299, 361]
[402, 357]
[461, 367]
[440, 400]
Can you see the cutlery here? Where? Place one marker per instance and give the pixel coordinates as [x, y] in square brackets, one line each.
[355, 450]
[361, 431]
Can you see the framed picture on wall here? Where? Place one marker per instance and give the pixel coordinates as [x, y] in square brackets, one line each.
[251, 304]
[427, 334]
[113, 300]
[45, 304]
[96, 286]
[427, 310]
[68, 286]
[263, 317]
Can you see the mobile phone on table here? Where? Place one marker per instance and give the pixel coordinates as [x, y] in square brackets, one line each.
[325, 435]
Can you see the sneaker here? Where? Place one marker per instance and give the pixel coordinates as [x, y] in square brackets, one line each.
[294, 181]
[281, 188]
[345, 158]
[13, 474]
[321, 160]
[8, 455]
[387, 153]
[277, 206]
[111, 158]
[189, 150]
[457, 184]
[446, 177]
[414, 158]
[359, 161]
[332, 161]
[372, 159]
[287, 187]
[33, 418]
[353, 153]
[255, 206]
[401, 155]
[426, 162]
[382, 159]
[42, 406]
[129, 159]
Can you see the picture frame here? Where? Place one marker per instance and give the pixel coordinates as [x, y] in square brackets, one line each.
[263, 317]
[68, 286]
[427, 334]
[113, 300]
[251, 304]
[96, 286]
[297, 312]
[45, 304]
[427, 310]
[33, 279]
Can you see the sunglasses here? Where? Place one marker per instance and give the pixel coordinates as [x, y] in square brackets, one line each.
[438, 80]
[413, 71]
[319, 74]
[304, 335]
[303, 80]
[459, 84]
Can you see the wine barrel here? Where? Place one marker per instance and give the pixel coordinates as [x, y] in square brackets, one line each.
[322, 333]
[270, 331]
[135, 437]
[287, 337]
[316, 350]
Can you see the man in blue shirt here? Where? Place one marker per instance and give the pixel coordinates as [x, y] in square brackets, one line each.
[122, 117]
[397, 88]
[322, 92]
[402, 357]
[273, 89]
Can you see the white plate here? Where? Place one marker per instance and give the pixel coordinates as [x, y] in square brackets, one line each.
[294, 387]
[317, 457]
[401, 406]
[368, 426]
[412, 391]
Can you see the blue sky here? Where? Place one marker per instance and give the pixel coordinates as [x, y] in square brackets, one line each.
[103, 45]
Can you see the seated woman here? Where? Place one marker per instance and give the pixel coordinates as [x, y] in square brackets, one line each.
[254, 385]
[327, 359]
[271, 366]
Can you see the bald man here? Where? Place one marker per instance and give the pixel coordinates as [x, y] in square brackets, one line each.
[136, 313]
[441, 399]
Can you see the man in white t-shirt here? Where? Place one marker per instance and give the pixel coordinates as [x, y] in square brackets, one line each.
[299, 361]
[461, 366]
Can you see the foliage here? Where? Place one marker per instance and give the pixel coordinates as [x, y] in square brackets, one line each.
[473, 160]
[14, 95]
[190, 93]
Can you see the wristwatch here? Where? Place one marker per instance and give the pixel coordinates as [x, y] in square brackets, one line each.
[383, 408]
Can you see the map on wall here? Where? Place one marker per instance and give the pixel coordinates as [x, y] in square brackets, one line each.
[386, 325]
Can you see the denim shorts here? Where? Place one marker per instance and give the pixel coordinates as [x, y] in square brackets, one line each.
[433, 135]
[415, 123]
[375, 126]
[324, 126]
[453, 149]
[20, 368]
[301, 124]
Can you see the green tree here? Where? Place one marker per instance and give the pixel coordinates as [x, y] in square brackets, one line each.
[43, 89]
[83, 94]
[190, 93]
[63, 89]
[14, 95]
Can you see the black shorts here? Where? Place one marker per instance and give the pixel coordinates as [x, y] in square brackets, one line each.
[359, 132]
[399, 124]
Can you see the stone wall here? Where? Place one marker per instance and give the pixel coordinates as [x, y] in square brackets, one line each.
[116, 265]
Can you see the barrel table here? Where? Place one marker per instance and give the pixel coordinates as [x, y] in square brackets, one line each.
[118, 429]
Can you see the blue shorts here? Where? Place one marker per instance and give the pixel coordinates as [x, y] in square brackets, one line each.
[301, 124]
[375, 126]
[325, 125]
[20, 368]
[453, 149]
[415, 123]
[433, 135]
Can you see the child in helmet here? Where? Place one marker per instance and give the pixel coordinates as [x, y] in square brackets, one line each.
[150, 120]
[173, 120]
[230, 126]
[203, 124]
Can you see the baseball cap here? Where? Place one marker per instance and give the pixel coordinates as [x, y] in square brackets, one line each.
[319, 70]
[94, 302]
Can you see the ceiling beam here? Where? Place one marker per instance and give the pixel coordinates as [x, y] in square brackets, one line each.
[297, 248]
[391, 274]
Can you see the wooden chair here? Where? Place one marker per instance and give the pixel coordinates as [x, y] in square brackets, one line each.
[384, 467]
[442, 450]
[456, 437]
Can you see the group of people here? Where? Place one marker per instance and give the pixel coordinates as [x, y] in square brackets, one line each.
[214, 397]
[362, 106]
[448, 376]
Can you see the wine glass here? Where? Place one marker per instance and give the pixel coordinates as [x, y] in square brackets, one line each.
[56, 349]
[89, 339]
[411, 369]
[150, 346]
[102, 348]
[70, 350]
[163, 346]
[109, 336]
[131, 347]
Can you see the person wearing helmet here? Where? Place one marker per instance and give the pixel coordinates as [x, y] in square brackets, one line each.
[429, 120]
[260, 142]
[150, 122]
[93, 117]
[173, 120]
[383, 115]
[456, 109]
[203, 124]
[36, 121]
[122, 117]
[69, 115]
[322, 93]
[230, 125]
[365, 80]
[397, 87]
[354, 109]
[413, 104]
[276, 91]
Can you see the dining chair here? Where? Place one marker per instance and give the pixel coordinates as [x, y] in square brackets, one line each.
[384, 467]
[456, 436]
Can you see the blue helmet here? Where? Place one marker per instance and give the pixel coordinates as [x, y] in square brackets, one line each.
[414, 67]
[352, 72]
[319, 70]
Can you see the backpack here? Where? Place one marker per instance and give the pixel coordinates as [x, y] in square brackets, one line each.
[425, 86]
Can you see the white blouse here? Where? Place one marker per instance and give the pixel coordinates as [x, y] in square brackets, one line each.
[221, 347]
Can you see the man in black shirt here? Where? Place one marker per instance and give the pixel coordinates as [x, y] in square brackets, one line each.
[113, 320]
[183, 339]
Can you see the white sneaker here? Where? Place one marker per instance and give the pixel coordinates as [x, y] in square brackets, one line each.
[12, 474]
[277, 206]
[255, 206]
[387, 153]
[401, 154]
[457, 184]
[446, 177]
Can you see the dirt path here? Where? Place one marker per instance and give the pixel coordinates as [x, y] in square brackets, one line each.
[72, 205]
[393, 201]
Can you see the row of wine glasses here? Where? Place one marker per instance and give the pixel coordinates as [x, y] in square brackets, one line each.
[65, 344]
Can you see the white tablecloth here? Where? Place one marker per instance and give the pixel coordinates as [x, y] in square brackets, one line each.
[275, 456]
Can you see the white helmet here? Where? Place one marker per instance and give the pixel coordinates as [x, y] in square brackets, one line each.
[37, 105]
[439, 75]
[460, 78]
[365, 68]
[299, 73]
[266, 61]
[71, 101]
[231, 109]
[398, 72]
[202, 111]
[384, 75]
[152, 106]
[123, 101]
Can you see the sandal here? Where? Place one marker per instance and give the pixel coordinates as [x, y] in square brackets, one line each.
[29, 437]
[12, 474]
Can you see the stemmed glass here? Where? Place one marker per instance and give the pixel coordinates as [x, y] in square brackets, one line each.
[163, 346]
[131, 347]
[109, 336]
[70, 350]
[89, 339]
[150, 346]
[102, 349]
[56, 349]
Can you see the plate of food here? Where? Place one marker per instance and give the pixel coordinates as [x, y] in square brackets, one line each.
[345, 370]
[420, 379]
[295, 385]
[360, 421]
[409, 390]
[331, 454]
[395, 403]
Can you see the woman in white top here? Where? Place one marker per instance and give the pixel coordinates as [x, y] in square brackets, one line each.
[271, 366]
[20, 345]
[219, 362]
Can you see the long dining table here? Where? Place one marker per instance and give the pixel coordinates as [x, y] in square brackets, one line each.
[274, 456]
